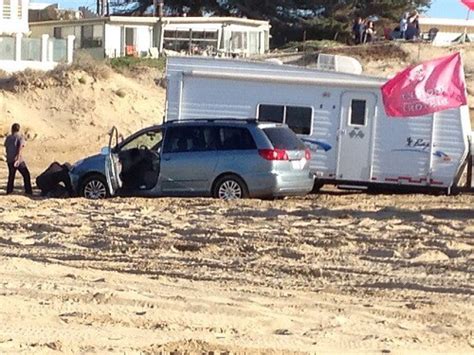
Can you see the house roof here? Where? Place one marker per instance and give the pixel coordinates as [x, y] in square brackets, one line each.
[445, 22]
[40, 5]
[152, 20]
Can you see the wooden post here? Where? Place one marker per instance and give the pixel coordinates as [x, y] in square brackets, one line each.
[160, 8]
[469, 170]
[304, 48]
[190, 41]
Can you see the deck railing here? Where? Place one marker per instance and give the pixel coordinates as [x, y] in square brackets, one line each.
[6, 11]
[44, 53]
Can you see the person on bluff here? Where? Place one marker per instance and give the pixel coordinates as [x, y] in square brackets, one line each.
[14, 144]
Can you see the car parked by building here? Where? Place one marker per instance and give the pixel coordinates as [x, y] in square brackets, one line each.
[222, 158]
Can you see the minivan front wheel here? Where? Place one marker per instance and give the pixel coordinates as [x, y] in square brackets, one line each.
[95, 188]
[230, 187]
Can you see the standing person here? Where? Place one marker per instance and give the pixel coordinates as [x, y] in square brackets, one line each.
[413, 22]
[404, 25]
[358, 30]
[14, 145]
[369, 33]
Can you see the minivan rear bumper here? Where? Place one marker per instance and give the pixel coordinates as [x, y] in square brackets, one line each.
[275, 185]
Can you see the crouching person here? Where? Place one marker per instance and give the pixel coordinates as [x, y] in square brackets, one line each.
[55, 181]
[14, 144]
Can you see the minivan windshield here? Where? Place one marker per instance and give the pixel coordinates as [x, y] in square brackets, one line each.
[148, 139]
[284, 138]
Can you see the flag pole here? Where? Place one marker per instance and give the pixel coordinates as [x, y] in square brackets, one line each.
[464, 37]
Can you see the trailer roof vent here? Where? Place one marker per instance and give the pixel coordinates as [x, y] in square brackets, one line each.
[339, 63]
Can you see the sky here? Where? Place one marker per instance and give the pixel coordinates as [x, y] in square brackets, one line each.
[439, 8]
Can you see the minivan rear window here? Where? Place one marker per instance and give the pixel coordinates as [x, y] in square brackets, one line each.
[284, 138]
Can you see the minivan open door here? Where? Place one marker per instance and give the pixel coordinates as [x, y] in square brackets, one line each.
[112, 163]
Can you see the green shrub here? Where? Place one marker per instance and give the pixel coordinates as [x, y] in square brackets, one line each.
[129, 63]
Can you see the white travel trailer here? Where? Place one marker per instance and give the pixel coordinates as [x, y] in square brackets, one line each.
[339, 115]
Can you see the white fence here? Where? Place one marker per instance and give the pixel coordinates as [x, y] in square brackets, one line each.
[18, 53]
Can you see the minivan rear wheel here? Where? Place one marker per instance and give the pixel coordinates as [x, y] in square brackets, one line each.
[94, 187]
[230, 187]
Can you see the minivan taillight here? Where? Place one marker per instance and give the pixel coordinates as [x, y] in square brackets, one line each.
[273, 154]
[307, 154]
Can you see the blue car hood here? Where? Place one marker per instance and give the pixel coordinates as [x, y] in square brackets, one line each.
[92, 163]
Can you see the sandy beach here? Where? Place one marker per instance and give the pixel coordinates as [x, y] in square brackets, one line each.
[325, 273]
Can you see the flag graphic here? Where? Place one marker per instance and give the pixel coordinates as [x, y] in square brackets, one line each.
[431, 86]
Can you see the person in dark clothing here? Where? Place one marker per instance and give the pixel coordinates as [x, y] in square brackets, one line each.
[14, 144]
[49, 181]
[358, 30]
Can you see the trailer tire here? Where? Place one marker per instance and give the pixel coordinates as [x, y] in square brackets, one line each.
[316, 187]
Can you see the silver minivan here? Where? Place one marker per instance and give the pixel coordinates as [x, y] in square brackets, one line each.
[222, 158]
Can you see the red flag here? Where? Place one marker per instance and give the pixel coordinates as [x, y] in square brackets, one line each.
[469, 4]
[431, 86]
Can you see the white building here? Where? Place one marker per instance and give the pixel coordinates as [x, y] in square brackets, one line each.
[20, 52]
[117, 36]
[445, 31]
[13, 16]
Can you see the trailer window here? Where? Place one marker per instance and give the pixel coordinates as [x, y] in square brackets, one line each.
[271, 113]
[299, 119]
[358, 113]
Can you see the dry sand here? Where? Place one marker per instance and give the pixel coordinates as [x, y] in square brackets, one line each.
[333, 272]
[324, 273]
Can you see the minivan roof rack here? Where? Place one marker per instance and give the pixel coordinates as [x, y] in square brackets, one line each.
[248, 120]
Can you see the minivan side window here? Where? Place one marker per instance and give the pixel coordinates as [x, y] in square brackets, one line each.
[190, 139]
[235, 138]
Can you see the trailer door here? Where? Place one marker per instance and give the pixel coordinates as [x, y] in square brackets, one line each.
[355, 136]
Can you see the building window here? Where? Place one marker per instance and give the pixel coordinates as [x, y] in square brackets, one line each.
[254, 42]
[91, 36]
[196, 42]
[7, 9]
[298, 118]
[239, 40]
[19, 10]
[266, 40]
[358, 113]
[57, 33]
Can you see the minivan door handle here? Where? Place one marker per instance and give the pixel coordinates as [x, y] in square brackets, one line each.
[167, 159]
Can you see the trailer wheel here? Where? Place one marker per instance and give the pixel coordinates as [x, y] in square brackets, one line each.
[317, 186]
